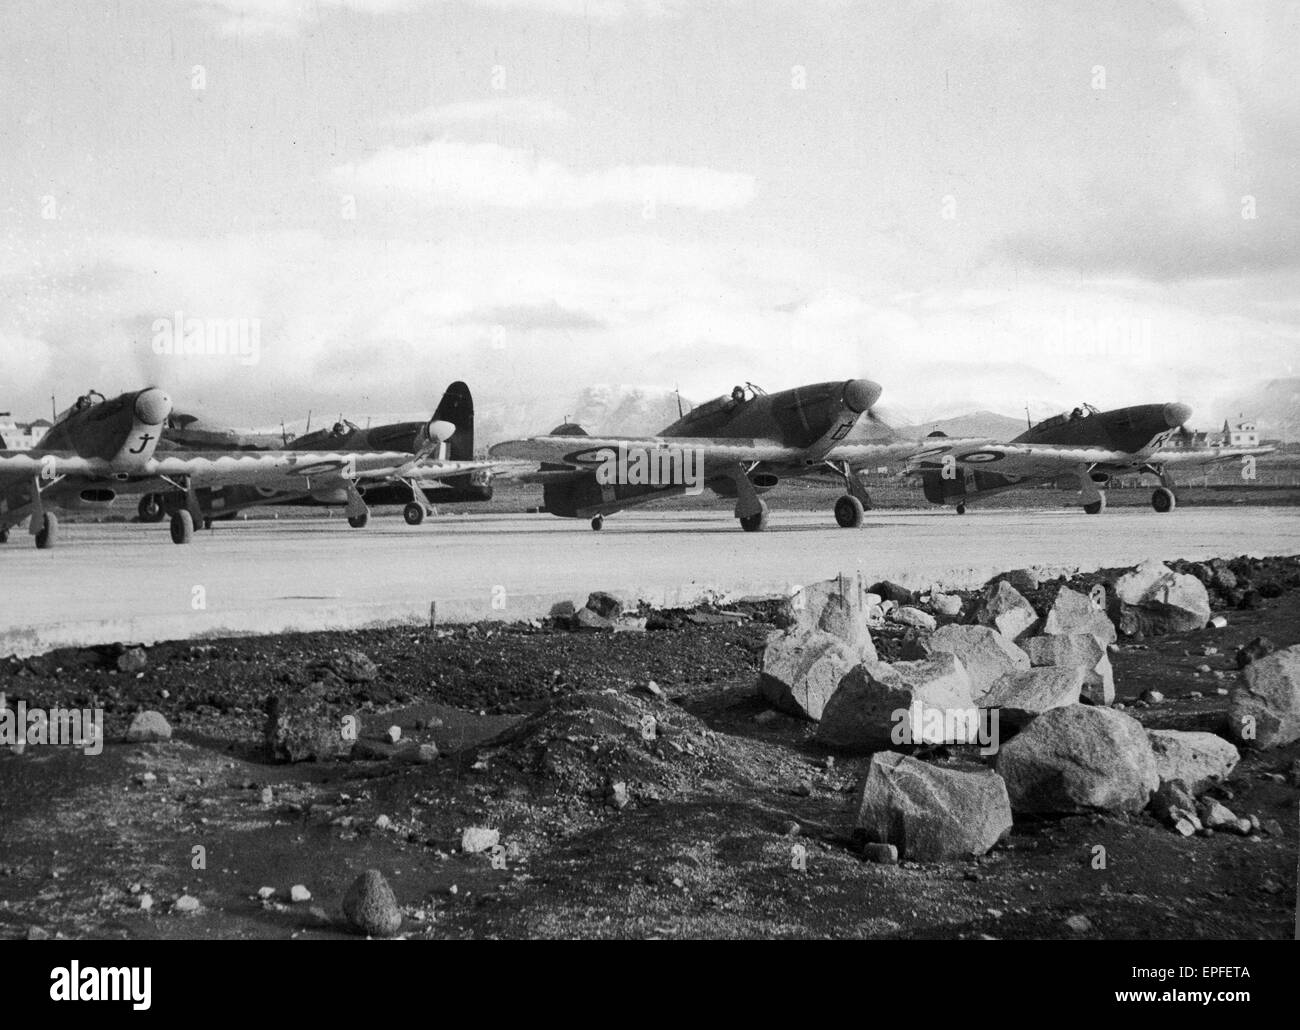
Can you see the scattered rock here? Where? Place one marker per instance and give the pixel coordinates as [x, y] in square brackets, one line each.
[1173, 804]
[186, 905]
[1020, 696]
[1079, 924]
[1154, 599]
[370, 907]
[985, 653]
[266, 893]
[148, 726]
[881, 854]
[1073, 612]
[298, 893]
[930, 813]
[1260, 647]
[1006, 610]
[1152, 697]
[879, 706]
[475, 839]
[1079, 758]
[802, 668]
[1217, 816]
[589, 621]
[839, 607]
[607, 606]
[1197, 759]
[1083, 651]
[888, 591]
[132, 660]
[353, 667]
[913, 617]
[304, 726]
[948, 605]
[393, 734]
[1265, 711]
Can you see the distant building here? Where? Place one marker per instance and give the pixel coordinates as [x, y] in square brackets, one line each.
[22, 436]
[1245, 434]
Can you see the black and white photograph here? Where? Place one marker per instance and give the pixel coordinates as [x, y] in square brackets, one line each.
[651, 470]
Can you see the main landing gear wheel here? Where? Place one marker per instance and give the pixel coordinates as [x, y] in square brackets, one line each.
[598, 523]
[413, 513]
[1163, 499]
[49, 532]
[359, 521]
[1096, 507]
[150, 508]
[4, 536]
[848, 512]
[182, 527]
[961, 509]
[755, 523]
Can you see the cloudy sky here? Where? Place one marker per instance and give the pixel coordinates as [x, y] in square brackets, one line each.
[980, 205]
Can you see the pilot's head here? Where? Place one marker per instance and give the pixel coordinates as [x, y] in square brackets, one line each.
[738, 394]
[339, 429]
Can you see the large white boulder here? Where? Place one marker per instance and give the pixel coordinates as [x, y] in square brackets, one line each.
[802, 668]
[879, 706]
[986, 654]
[1079, 758]
[1154, 599]
[1265, 710]
[1077, 651]
[1198, 759]
[931, 813]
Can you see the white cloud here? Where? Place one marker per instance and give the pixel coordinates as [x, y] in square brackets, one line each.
[447, 173]
[512, 110]
[287, 17]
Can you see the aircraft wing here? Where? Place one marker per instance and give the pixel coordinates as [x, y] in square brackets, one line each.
[296, 470]
[591, 451]
[862, 453]
[1206, 456]
[1018, 460]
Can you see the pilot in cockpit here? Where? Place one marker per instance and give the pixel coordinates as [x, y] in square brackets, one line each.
[738, 395]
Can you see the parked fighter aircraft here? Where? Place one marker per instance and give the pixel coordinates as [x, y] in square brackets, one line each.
[746, 443]
[100, 448]
[1086, 447]
[441, 478]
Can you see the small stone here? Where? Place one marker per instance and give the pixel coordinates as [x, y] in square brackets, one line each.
[148, 726]
[1152, 697]
[186, 904]
[653, 689]
[383, 822]
[792, 829]
[37, 933]
[1079, 924]
[1244, 827]
[618, 796]
[881, 854]
[146, 902]
[370, 906]
[266, 893]
[298, 893]
[1272, 827]
[475, 839]
[268, 796]
[133, 659]
[393, 734]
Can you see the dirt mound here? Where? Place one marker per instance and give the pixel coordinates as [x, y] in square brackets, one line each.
[614, 747]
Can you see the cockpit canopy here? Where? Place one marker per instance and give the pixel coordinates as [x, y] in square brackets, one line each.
[87, 400]
[1083, 411]
[739, 395]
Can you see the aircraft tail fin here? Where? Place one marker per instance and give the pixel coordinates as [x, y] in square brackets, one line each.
[457, 407]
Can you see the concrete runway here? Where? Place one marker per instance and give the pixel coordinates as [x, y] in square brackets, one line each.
[106, 583]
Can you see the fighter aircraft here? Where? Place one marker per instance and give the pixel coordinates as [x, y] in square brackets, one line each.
[445, 478]
[1082, 448]
[739, 446]
[101, 448]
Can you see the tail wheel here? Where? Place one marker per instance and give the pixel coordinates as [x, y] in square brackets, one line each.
[182, 527]
[49, 532]
[848, 512]
[961, 509]
[1096, 507]
[413, 513]
[359, 521]
[1163, 500]
[598, 523]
